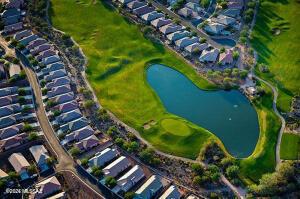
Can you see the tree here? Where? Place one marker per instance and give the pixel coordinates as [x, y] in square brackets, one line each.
[202, 40]
[232, 171]
[26, 109]
[88, 104]
[147, 155]
[84, 162]
[132, 146]
[27, 128]
[97, 171]
[197, 180]
[75, 151]
[204, 3]
[21, 91]
[226, 162]
[50, 161]
[197, 168]
[110, 181]
[129, 195]
[44, 91]
[119, 141]
[56, 113]
[235, 55]
[32, 169]
[13, 175]
[21, 100]
[43, 83]
[32, 136]
[222, 50]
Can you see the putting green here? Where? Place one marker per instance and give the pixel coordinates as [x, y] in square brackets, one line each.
[175, 127]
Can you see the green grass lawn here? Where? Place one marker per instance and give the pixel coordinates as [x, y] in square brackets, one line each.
[262, 159]
[118, 54]
[290, 147]
[279, 52]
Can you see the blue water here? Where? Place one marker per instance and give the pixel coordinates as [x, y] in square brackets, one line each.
[228, 114]
[226, 42]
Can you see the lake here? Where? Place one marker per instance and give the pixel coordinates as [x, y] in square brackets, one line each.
[227, 114]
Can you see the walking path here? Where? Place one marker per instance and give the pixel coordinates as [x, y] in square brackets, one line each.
[275, 93]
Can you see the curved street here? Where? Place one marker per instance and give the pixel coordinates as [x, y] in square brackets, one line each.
[65, 161]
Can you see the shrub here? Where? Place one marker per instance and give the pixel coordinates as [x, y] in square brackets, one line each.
[27, 127]
[197, 168]
[110, 182]
[32, 136]
[88, 104]
[32, 169]
[74, 151]
[204, 3]
[97, 171]
[21, 91]
[232, 171]
[129, 195]
[147, 155]
[84, 162]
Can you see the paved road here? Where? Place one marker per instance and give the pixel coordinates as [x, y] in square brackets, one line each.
[65, 161]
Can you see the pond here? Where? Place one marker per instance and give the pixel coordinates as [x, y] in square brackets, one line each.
[229, 43]
[228, 114]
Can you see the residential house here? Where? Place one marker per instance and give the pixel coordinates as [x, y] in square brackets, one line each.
[226, 57]
[63, 98]
[61, 195]
[171, 193]
[52, 67]
[10, 12]
[20, 164]
[66, 107]
[182, 43]
[58, 82]
[193, 6]
[36, 43]
[47, 187]
[235, 4]
[11, 20]
[150, 188]
[8, 120]
[88, 143]
[14, 71]
[50, 60]
[136, 4]
[225, 20]
[196, 47]
[59, 90]
[40, 155]
[214, 28]
[157, 23]
[103, 157]
[177, 35]
[185, 12]
[26, 40]
[11, 131]
[131, 178]
[10, 109]
[151, 16]
[22, 34]
[13, 28]
[11, 142]
[234, 13]
[142, 10]
[17, 4]
[68, 117]
[45, 54]
[125, 1]
[41, 48]
[209, 56]
[7, 100]
[4, 92]
[117, 166]
[3, 174]
[55, 74]
[74, 125]
[79, 135]
[170, 28]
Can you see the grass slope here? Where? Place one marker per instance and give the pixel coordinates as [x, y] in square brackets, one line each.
[290, 147]
[118, 54]
[279, 52]
[262, 159]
